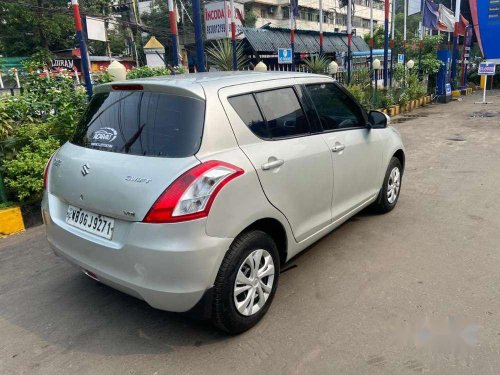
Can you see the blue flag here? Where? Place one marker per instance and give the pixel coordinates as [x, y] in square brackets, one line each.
[431, 15]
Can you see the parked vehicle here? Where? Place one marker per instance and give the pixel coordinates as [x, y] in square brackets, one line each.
[191, 192]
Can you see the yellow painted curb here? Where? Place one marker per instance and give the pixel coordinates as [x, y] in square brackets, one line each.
[456, 93]
[11, 221]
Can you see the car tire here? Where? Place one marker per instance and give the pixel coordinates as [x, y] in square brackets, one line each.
[391, 188]
[235, 309]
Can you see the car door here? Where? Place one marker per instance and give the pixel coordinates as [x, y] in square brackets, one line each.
[293, 166]
[356, 150]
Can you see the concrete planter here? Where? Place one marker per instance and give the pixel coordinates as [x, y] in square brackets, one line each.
[11, 221]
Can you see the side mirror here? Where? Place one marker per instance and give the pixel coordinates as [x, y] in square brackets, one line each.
[378, 120]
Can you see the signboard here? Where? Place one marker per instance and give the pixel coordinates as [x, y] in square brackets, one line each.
[284, 56]
[414, 7]
[68, 64]
[96, 29]
[448, 89]
[218, 19]
[401, 58]
[486, 69]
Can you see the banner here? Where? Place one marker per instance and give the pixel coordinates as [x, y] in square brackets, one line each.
[218, 19]
[486, 21]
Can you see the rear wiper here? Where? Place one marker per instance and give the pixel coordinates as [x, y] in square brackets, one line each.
[131, 141]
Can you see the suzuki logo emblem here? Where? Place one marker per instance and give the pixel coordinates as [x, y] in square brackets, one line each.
[85, 169]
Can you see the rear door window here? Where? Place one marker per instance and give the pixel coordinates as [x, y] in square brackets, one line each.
[283, 113]
[142, 123]
[246, 107]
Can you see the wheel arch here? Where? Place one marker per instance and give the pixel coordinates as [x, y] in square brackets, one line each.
[400, 155]
[275, 229]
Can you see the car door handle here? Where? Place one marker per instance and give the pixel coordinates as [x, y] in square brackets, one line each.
[338, 147]
[273, 164]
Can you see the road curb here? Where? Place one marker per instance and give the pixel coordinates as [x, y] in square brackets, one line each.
[11, 221]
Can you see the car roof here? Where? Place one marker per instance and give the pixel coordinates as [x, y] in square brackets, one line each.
[196, 82]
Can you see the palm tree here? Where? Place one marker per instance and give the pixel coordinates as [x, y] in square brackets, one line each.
[220, 54]
[317, 64]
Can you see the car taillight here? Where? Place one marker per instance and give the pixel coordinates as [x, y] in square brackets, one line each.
[46, 172]
[192, 194]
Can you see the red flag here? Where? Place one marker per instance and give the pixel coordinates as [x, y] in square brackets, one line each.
[461, 26]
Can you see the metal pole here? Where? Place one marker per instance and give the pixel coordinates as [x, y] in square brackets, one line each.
[454, 52]
[405, 10]
[371, 40]
[393, 22]
[484, 91]
[386, 43]
[321, 27]
[173, 30]
[349, 40]
[292, 32]
[200, 53]
[233, 35]
[420, 48]
[83, 46]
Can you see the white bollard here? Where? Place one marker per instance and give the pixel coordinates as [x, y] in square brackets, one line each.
[16, 76]
[1, 81]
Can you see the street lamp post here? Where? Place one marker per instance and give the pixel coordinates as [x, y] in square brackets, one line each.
[376, 68]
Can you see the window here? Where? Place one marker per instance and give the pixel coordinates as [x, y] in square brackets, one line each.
[335, 108]
[263, 12]
[286, 13]
[283, 113]
[246, 107]
[281, 116]
[142, 123]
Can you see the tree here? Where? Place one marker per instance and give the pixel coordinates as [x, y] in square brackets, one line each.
[378, 37]
[32, 25]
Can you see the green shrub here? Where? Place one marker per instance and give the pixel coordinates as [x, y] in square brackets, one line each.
[32, 127]
[146, 71]
[358, 92]
[24, 174]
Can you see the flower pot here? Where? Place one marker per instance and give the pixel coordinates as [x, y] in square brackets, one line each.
[11, 221]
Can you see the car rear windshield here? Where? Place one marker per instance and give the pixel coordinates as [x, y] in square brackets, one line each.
[142, 123]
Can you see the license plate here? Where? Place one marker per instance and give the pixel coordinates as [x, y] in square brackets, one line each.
[90, 222]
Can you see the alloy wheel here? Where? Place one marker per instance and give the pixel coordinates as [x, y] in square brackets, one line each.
[254, 282]
[393, 185]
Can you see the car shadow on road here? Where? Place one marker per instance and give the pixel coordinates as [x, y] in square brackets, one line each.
[66, 309]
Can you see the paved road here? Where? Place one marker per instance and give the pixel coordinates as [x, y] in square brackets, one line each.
[417, 290]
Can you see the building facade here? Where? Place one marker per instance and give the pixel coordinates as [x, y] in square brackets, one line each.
[276, 13]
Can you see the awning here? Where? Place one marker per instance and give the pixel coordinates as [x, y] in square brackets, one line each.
[269, 40]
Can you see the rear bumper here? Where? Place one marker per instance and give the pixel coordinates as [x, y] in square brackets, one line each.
[170, 266]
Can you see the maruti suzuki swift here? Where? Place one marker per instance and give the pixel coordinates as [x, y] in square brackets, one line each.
[190, 192]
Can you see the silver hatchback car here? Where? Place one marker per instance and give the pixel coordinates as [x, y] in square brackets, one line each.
[191, 191]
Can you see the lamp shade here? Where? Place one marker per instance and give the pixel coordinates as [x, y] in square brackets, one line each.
[410, 64]
[117, 71]
[333, 67]
[376, 64]
[260, 67]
